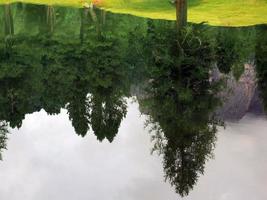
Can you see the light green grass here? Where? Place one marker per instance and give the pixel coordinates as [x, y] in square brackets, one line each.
[214, 12]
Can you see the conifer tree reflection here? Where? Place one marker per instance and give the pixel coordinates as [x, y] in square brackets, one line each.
[55, 78]
[76, 60]
[105, 78]
[180, 100]
[109, 85]
[107, 114]
[78, 109]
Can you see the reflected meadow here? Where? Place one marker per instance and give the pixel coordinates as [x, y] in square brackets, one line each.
[187, 81]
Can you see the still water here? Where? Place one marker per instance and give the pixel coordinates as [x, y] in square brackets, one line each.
[95, 105]
[46, 160]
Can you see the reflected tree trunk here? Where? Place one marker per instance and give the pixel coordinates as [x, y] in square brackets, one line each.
[181, 13]
[84, 19]
[8, 20]
[95, 20]
[50, 18]
[103, 17]
[181, 20]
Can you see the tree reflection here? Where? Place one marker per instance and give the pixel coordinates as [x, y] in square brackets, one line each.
[181, 13]
[107, 114]
[234, 47]
[109, 86]
[3, 137]
[78, 108]
[86, 61]
[180, 101]
[8, 20]
[88, 78]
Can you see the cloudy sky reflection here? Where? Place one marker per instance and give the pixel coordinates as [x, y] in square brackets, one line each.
[47, 160]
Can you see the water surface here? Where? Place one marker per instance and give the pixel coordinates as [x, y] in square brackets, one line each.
[102, 106]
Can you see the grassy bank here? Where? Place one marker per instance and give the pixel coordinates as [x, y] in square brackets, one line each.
[214, 12]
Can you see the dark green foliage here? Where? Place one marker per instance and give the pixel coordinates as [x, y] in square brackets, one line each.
[90, 61]
[226, 53]
[261, 62]
[63, 66]
[107, 114]
[180, 101]
[234, 47]
[3, 137]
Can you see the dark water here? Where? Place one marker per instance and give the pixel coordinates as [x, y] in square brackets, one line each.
[86, 96]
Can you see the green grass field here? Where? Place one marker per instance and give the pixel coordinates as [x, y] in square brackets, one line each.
[214, 12]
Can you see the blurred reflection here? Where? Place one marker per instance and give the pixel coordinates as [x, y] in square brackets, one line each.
[261, 62]
[3, 137]
[180, 101]
[88, 62]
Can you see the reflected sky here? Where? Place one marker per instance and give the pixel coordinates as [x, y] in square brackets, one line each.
[54, 163]
[239, 168]
[81, 66]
